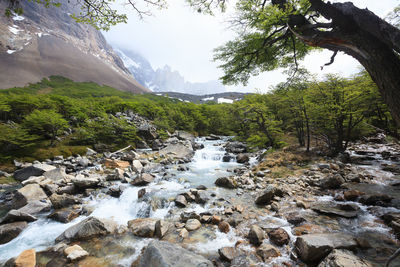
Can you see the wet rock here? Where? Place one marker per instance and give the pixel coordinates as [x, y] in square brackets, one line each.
[178, 150]
[242, 158]
[185, 216]
[313, 248]
[375, 200]
[141, 193]
[352, 195]
[256, 235]
[143, 227]
[192, 225]
[307, 229]
[228, 158]
[26, 259]
[203, 196]
[88, 228]
[215, 219]
[10, 231]
[269, 193]
[279, 237]
[75, 253]
[17, 216]
[161, 228]
[295, 219]
[180, 201]
[118, 175]
[342, 210]
[64, 215]
[115, 163]
[34, 170]
[227, 253]
[64, 200]
[115, 192]
[224, 227]
[235, 147]
[28, 193]
[266, 251]
[68, 189]
[343, 258]
[226, 182]
[392, 219]
[143, 179]
[164, 254]
[332, 182]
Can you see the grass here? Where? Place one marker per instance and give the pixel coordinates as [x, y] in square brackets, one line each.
[7, 180]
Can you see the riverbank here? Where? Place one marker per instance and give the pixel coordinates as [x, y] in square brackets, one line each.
[212, 201]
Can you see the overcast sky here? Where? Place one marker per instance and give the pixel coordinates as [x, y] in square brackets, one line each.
[185, 40]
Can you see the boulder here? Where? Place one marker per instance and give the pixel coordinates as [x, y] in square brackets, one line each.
[226, 182]
[28, 193]
[224, 227]
[34, 170]
[179, 151]
[203, 196]
[17, 216]
[143, 179]
[352, 195]
[75, 253]
[228, 158]
[26, 259]
[143, 227]
[10, 231]
[312, 248]
[227, 253]
[137, 166]
[235, 147]
[88, 228]
[180, 201]
[83, 182]
[192, 224]
[56, 174]
[343, 258]
[256, 235]
[269, 193]
[242, 158]
[64, 200]
[164, 254]
[332, 182]
[161, 228]
[36, 206]
[64, 215]
[342, 210]
[279, 237]
[266, 251]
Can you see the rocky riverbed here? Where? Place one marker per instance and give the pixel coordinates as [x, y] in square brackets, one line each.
[204, 202]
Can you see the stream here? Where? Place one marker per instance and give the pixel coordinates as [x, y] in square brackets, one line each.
[205, 167]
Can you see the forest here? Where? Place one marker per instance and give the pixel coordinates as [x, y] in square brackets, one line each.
[59, 116]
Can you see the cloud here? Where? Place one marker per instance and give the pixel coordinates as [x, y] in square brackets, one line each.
[184, 39]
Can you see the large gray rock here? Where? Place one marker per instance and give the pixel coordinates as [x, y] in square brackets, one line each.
[34, 170]
[36, 206]
[143, 179]
[178, 150]
[10, 231]
[256, 235]
[56, 174]
[143, 227]
[164, 254]
[17, 216]
[226, 182]
[64, 200]
[342, 210]
[343, 258]
[137, 166]
[28, 193]
[82, 182]
[64, 215]
[332, 182]
[242, 158]
[235, 147]
[268, 194]
[313, 248]
[88, 228]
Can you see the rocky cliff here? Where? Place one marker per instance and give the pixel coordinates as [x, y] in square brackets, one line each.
[46, 41]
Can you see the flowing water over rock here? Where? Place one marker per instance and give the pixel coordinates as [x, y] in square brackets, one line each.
[298, 208]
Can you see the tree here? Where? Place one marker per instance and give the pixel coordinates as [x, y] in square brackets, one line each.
[278, 33]
[47, 123]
